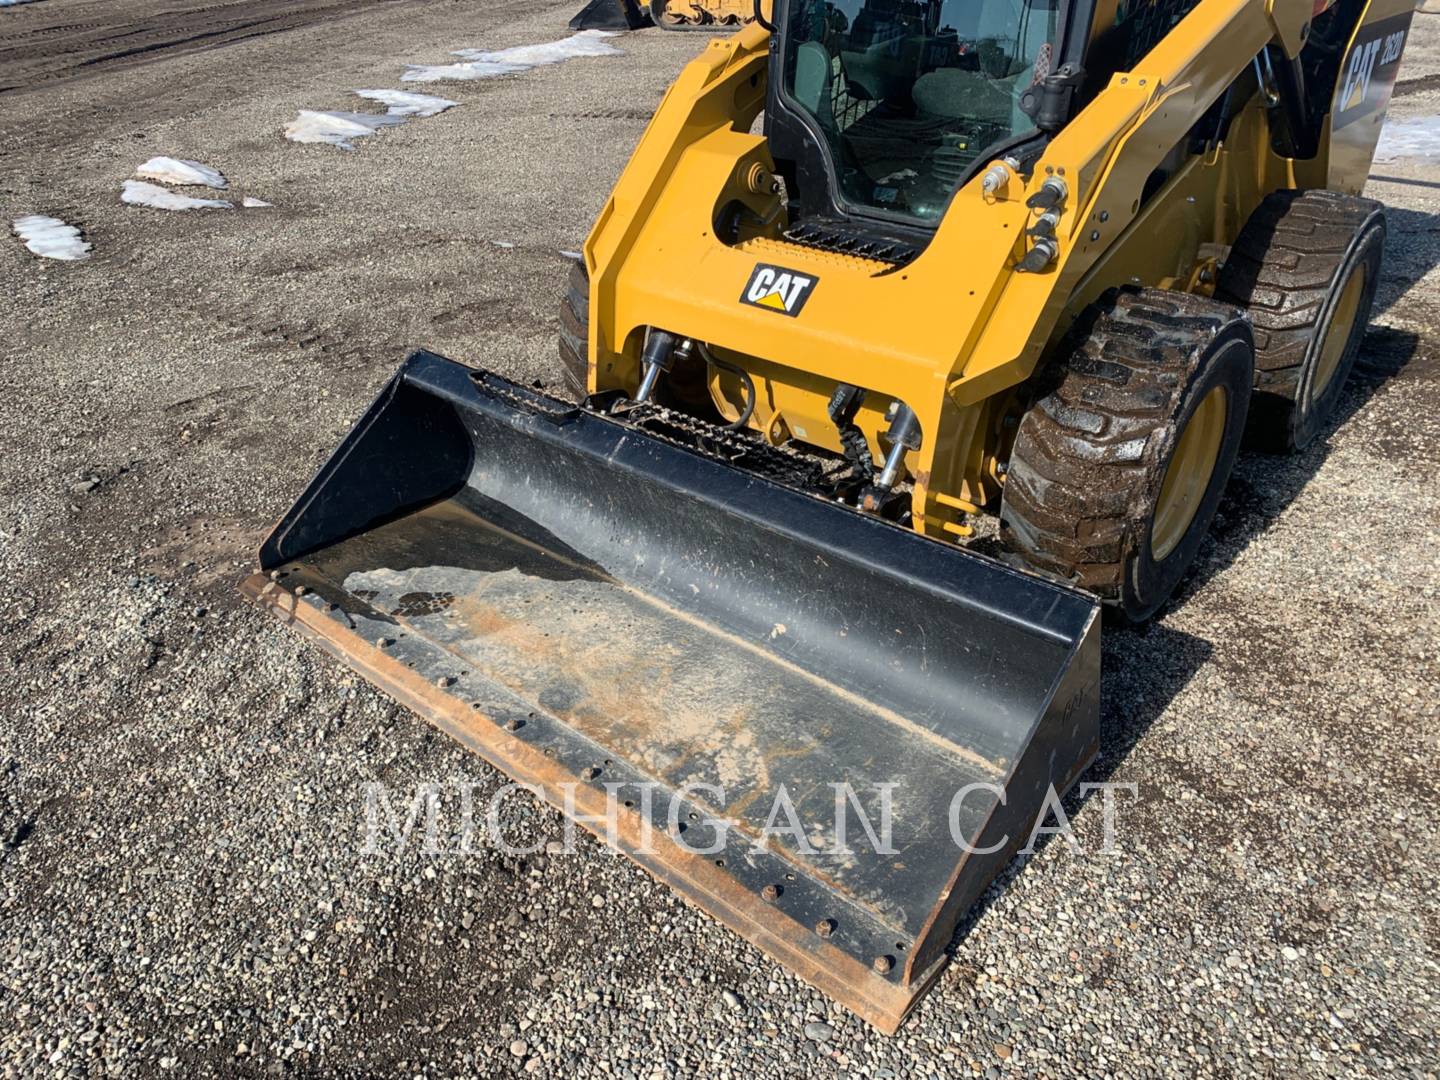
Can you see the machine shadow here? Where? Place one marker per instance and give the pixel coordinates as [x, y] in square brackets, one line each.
[1412, 250]
[1264, 484]
[1144, 668]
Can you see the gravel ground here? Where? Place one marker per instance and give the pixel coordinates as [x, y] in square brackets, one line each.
[182, 885]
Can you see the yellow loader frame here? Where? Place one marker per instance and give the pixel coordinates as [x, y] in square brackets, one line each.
[953, 333]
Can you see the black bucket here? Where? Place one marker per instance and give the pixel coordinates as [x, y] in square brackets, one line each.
[611, 15]
[587, 604]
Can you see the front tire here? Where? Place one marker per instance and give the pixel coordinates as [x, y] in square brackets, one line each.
[575, 331]
[1115, 475]
[684, 388]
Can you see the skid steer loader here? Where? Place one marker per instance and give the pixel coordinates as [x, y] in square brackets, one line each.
[666, 14]
[877, 273]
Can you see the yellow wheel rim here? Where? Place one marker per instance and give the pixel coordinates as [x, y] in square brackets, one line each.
[1337, 334]
[1188, 475]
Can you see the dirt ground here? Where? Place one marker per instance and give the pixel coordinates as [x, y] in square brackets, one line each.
[182, 885]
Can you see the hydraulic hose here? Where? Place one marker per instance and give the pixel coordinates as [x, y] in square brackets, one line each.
[745, 380]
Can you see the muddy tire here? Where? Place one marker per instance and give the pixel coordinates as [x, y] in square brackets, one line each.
[575, 331]
[1294, 270]
[1086, 496]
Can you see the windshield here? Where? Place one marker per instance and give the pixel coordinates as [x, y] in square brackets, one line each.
[908, 93]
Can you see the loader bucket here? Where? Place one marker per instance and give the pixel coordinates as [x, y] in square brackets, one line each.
[611, 15]
[720, 661]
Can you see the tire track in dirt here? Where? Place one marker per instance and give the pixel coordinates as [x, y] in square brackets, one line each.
[45, 54]
[52, 62]
[131, 34]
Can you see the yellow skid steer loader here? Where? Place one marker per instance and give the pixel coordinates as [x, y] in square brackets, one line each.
[667, 14]
[878, 271]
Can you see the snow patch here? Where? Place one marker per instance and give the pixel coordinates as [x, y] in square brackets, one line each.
[458, 72]
[169, 170]
[486, 64]
[404, 103]
[572, 255]
[253, 203]
[50, 237]
[340, 128]
[139, 193]
[1416, 138]
[337, 128]
[13, 3]
[585, 43]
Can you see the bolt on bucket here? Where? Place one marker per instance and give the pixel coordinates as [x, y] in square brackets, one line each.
[826, 730]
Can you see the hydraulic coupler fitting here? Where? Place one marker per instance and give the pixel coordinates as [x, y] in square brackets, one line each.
[1047, 202]
[995, 178]
[1041, 254]
[1051, 196]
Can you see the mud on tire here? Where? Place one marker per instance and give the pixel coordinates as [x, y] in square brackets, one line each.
[1090, 457]
[1288, 270]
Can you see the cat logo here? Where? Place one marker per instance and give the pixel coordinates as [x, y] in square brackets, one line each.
[778, 289]
[1370, 69]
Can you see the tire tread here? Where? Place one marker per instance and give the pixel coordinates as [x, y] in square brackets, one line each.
[574, 338]
[1103, 434]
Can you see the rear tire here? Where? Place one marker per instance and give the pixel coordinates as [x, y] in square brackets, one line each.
[1086, 496]
[575, 331]
[1294, 269]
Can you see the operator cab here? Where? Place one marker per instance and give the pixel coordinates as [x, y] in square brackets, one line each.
[880, 109]
[906, 95]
